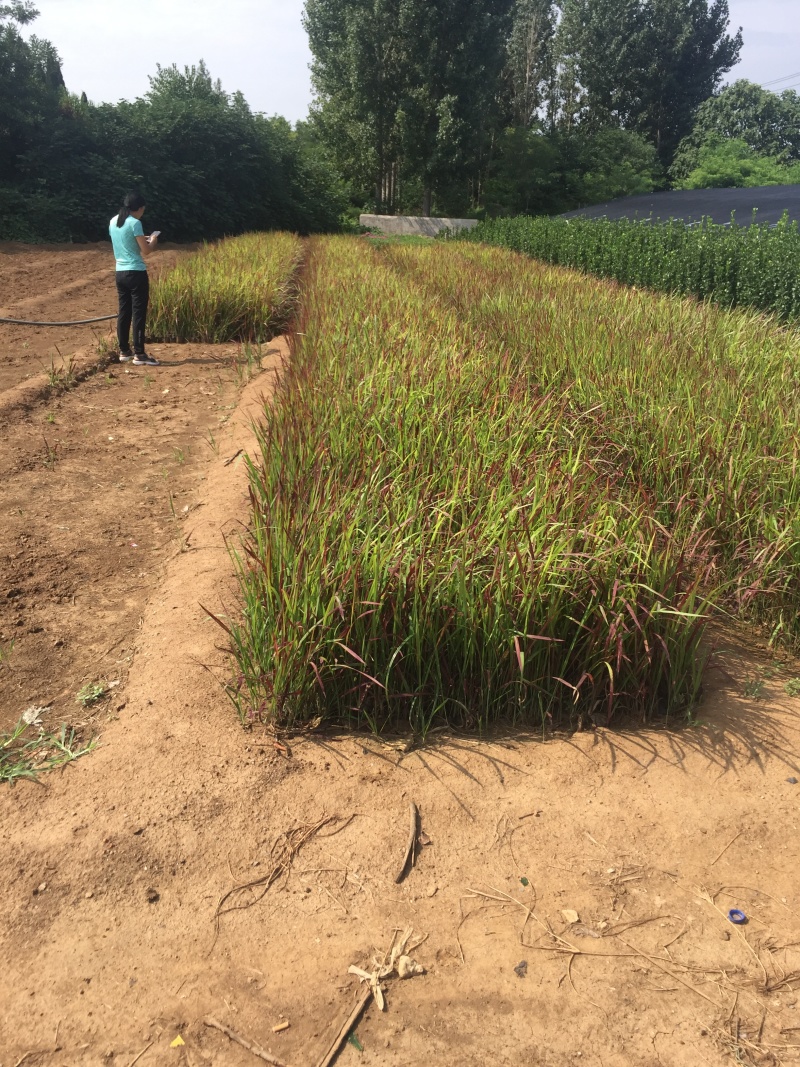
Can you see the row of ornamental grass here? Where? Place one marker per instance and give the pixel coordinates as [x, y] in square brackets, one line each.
[240, 289]
[492, 490]
[754, 265]
[696, 407]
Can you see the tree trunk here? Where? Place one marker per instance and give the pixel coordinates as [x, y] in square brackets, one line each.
[380, 178]
[426, 201]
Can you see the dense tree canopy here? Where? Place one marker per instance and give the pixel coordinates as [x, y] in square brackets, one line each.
[407, 90]
[768, 123]
[358, 60]
[647, 65]
[30, 83]
[449, 105]
[446, 106]
[427, 101]
[541, 174]
[207, 165]
[729, 164]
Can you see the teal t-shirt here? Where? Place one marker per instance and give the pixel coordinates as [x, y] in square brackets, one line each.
[126, 248]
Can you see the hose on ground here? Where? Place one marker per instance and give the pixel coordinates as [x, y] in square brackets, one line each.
[76, 322]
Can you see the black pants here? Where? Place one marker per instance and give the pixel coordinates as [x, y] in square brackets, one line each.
[133, 289]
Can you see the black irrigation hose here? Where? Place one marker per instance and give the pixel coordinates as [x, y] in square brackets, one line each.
[77, 322]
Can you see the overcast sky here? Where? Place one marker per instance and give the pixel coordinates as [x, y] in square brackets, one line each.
[110, 46]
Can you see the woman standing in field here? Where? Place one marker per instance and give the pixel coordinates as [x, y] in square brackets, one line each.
[133, 285]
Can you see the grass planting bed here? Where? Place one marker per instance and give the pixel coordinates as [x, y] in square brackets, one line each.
[494, 490]
[240, 289]
[754, 266]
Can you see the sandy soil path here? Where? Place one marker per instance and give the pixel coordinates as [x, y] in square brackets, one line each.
[97, 490]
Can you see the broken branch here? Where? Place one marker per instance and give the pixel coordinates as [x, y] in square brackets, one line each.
[408, 858]
[257, 1050]
[346, 1027]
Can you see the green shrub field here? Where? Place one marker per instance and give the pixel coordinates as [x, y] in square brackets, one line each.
[241, 289]
[492, 490]
[756, 266]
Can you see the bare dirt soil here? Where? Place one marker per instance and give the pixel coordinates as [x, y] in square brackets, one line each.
[95, 483]
[56, 283]
[606, 862]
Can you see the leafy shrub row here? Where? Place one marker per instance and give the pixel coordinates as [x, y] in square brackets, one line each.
[756, 266]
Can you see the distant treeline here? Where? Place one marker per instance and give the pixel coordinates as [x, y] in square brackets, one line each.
[508, 106]
[451, 107]
[207, 165]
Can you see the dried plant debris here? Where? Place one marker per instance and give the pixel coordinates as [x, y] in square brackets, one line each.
[399, 962]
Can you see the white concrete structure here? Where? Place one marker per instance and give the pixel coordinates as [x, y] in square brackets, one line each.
[417, 225]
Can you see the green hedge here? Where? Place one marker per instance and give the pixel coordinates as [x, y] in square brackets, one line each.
[756, 266]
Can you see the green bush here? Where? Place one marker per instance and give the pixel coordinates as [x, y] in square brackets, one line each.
[756, 265]
[734, 165]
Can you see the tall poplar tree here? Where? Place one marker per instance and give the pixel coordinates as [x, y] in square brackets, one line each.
[451, 103]
[647, 65]
[530, 70]
[407, 87]
[357, 72]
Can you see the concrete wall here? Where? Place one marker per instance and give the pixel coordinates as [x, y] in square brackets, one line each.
[414, 224]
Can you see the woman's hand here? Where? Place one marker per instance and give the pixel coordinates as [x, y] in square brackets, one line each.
[146, 244]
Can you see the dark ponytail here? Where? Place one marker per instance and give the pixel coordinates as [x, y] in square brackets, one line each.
[132, 202]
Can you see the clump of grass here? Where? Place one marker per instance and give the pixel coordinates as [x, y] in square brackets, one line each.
[90, 694]
[792, 687]
[50, 454]
[754, 688]
[240, 289]
[246, 363]
[105, 346]
[63, 377]
[24, 754]
[441, 530]
[755, 265]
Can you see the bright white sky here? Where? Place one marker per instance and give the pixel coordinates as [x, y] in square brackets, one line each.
[110, 46]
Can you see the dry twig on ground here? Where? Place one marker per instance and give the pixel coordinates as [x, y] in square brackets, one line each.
[283, 852]
[251, 1046]
[411, 846]
[394, 961]
[341, 1036]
